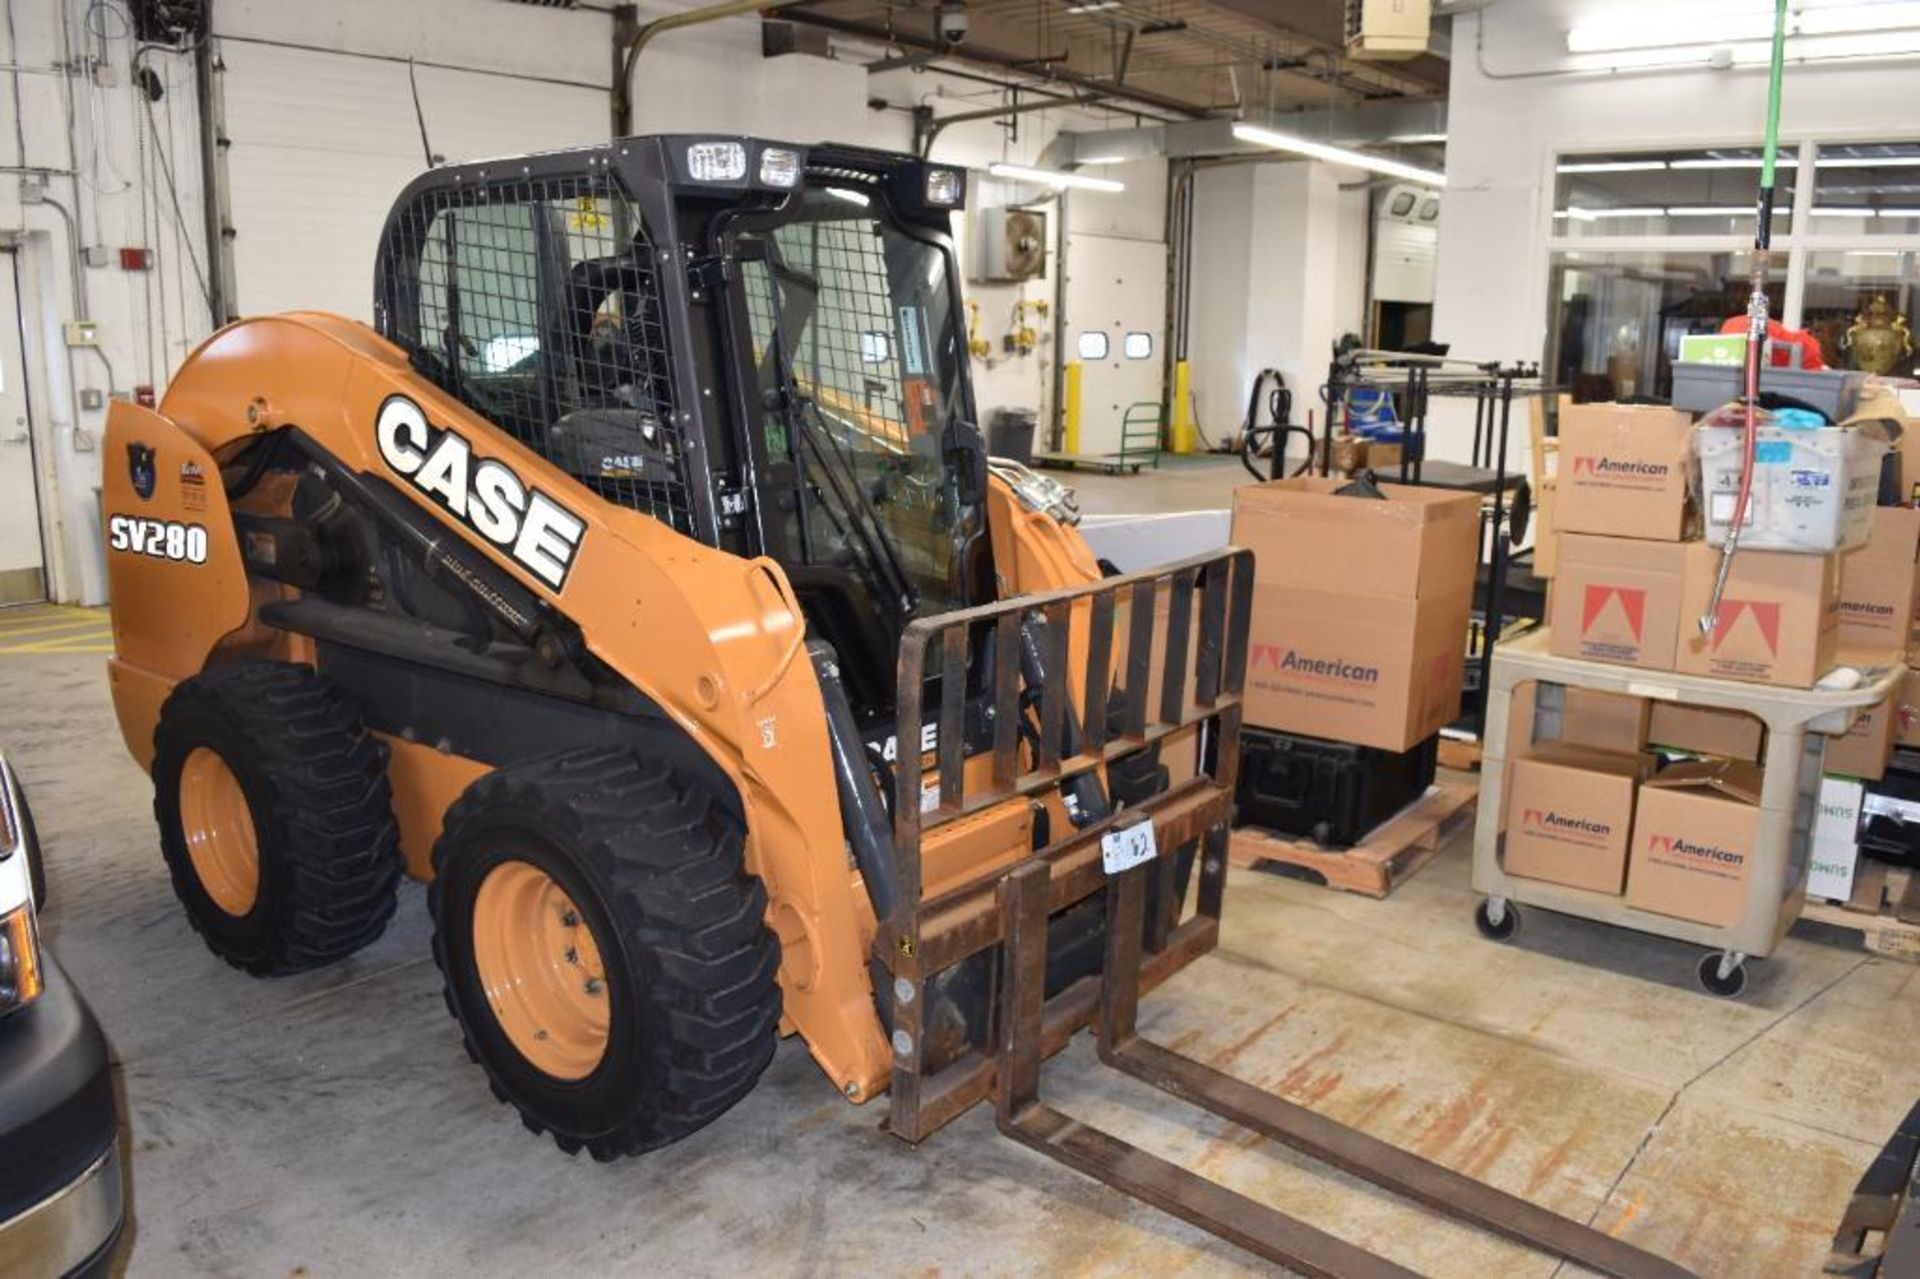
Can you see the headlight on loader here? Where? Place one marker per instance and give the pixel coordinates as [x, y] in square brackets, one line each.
[20, 977]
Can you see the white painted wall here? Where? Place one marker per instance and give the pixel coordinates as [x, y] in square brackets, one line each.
[1279, 273]
[104, 169]
[1509, 115]
[323, 135]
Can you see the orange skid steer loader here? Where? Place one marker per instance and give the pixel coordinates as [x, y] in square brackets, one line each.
[639, 580]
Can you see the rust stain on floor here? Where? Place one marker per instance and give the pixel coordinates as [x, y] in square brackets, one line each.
[1486, 1149]
[1451, 1120]
[1303, 1083]
[1549, 1165]
[1628, 1212]
[1375, 1103]
[1232, 1052]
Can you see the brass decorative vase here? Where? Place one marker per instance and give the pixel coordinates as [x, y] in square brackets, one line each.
[1879, 339]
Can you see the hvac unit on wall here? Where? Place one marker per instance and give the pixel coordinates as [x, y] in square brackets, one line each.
[1406, 239]
[1389, 30]
[1010, 245]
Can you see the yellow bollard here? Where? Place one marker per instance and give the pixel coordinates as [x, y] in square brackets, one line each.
[1181, 437]
[1070, 409]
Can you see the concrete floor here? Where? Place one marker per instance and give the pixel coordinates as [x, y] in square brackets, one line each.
[1199, 483]
[330, 1124]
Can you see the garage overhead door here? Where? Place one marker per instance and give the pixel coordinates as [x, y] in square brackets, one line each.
[323, 142]
[1116, 307]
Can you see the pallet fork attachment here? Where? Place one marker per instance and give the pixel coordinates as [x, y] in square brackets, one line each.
[1182, 627]
[1252, 1225]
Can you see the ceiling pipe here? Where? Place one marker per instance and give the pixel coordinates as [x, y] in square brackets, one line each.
[934, 128]
[630, 38]
[985, 56]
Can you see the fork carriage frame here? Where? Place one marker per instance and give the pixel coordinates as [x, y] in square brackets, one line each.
[1201, 669]
[1201, 666]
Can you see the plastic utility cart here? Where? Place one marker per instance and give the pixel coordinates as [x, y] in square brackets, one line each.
[1796, 720]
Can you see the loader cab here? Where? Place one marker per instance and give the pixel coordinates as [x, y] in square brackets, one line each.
[759, 345]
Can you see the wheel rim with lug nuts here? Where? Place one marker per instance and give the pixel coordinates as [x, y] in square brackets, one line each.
[541, 970]
[218, 827]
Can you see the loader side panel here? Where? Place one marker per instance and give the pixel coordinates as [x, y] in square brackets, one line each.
[173, 564]
[714, 641]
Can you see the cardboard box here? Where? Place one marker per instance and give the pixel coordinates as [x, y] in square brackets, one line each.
[1706, 730]
[1546, 529]
[1569, 814]
[1877, 589]
[1625, 470]
[1617, 599]
[1602, 721]
[1837, 817]
[1360, 609]
[1836, 830]
[1585, 717]
[1696, 828]
[1864, 749]
[1830, 868]
[1778, 620]
[1371, 670]
[1906, 707]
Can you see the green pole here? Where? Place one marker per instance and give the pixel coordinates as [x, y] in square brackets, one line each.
[1773, 93]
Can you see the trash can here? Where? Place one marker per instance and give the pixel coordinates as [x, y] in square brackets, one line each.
[1010, 434]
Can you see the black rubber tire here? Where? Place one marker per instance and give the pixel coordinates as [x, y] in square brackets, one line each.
[1729, 987]
[654, 860]
[1504, 930]
[316, 784]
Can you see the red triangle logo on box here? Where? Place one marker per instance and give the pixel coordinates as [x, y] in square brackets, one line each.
[1632, 602]
[1766, 615]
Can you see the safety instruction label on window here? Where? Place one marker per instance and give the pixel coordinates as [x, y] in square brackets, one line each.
[913, 341]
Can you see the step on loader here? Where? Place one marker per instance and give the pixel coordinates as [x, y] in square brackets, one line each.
[639, 580]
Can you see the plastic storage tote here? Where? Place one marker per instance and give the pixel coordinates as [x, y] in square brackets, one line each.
[1813, 490]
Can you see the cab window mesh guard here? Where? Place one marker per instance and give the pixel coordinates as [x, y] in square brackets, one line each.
[535, 303]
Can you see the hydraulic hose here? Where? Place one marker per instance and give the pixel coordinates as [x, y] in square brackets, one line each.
[1756, 317]
[1279, 426]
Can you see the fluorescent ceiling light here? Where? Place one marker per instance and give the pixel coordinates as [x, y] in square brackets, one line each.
[1715, 211]
[1869, 162]
[851, 197]
[1715, 162]
[1609, 166]
[1883, 211]
[1279, 141]
[1101, 159]
[1726, 24]
[1415, 139]
[1633, 211]
[1093, 6]
[1055, 178]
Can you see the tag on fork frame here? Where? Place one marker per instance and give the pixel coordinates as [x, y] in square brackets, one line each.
[1127, 847]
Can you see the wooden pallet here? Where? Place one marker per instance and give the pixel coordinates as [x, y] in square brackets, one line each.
[1884, 910]
[1377, 864]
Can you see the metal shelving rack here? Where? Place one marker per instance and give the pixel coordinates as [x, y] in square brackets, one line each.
[1795, 720]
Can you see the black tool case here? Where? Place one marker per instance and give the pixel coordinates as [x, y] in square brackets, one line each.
[1890, 814]
[1331, 792]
